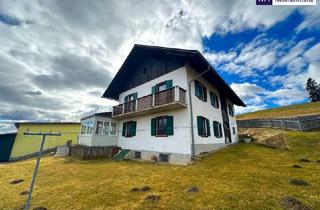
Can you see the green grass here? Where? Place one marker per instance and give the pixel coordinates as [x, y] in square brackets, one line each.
[285, 111]
[242, 176]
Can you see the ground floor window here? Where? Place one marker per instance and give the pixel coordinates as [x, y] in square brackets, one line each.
[105, 129]
[163, 157]
[137, 155]
[162, 126]
[203, 126]
[113, 128]
[129, 128]
[99, 127]
[217, 129]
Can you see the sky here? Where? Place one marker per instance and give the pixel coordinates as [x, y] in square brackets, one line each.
[58, 57]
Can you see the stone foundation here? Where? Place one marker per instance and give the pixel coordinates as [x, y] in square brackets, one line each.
[175, 158]
[90, 153]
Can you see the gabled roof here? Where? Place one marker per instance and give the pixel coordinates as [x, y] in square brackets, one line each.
[193, 57]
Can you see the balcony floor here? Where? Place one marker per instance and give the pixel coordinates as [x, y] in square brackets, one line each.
[161, 108]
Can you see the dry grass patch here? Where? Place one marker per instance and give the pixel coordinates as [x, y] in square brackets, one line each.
[243, 176]
[285, 111]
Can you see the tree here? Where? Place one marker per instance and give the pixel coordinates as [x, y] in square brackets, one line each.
[313, 89]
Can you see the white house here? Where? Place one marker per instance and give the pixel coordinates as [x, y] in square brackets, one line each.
[172, 105]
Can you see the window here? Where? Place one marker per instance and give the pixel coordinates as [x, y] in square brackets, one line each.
[130, 97]
[105, 129]
[234, 130]
[113, 128]
[129, 128]
[203, 126]
[163, 157]
[214, 100]
[162, 126]
[217, 129]
[200, 91]
[83, 129]
[162, 86]
[230, 108]
[137, 155]
[99, 127]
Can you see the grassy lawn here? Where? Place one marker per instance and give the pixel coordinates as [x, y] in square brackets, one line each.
[285, 111]
[242, 176]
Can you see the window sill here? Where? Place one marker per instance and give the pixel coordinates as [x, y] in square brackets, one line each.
[161, 135]
[201, 99]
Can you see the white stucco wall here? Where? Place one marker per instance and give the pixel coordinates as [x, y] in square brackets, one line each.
[178, 77]
[233, 123]
[180, 142]
[205, 109]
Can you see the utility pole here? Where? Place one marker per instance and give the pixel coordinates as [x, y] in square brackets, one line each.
[27, 205]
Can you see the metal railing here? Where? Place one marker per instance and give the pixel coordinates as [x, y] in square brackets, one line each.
[300, 123]
[174, 94]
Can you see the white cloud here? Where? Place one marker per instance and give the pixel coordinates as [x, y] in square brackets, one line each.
[295, 51]
[313, 54]
[64, 41]
[312, 18]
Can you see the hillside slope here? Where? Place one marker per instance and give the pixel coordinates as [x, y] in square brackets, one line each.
[285, 111]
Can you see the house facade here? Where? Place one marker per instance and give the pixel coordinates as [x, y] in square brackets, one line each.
[172, 105]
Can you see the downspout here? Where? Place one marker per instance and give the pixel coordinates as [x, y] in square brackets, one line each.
[193, 152]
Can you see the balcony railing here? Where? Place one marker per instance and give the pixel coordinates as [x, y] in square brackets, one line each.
[173, 96]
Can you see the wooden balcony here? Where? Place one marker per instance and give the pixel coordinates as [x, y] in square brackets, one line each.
[173, 98]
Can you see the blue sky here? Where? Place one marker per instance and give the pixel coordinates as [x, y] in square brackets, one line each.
[58, 57]
[286, 35]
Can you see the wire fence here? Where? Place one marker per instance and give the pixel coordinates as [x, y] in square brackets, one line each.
[299, 123]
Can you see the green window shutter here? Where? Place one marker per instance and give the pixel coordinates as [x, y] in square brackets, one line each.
[154, 89]
[216, 128]
[124, 129]
[197, 87]
[204, 93]
[153, 126]
[134, 128]
[220, 130]
[212, 99]
[200, 125]
[208, 127]
[125, 99]
[217, 99]
[169, 128]
[169, 84]
[135, 96]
